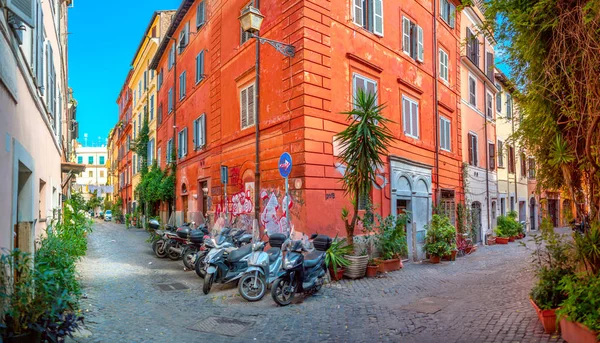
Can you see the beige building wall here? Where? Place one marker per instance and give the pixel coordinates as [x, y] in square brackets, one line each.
[32, 109]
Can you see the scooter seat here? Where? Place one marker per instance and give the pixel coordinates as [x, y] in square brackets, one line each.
[274, 254]
[238, 254]
[312, 259]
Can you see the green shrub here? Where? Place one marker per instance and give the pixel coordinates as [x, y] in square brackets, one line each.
[391, 238]
[582, 302]
[440, 239]
[508, 226]
[334, 257]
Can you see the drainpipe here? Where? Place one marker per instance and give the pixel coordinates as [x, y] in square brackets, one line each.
[174, 124]
[437, 112]
[512, 116]
[257, 127]
[487, 170]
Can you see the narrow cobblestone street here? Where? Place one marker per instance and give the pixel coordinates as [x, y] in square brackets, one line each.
[478, 298]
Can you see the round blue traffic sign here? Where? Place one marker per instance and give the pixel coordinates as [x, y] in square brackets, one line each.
[285, 164]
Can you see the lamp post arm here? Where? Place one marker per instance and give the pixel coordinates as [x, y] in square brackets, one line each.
[287, 50]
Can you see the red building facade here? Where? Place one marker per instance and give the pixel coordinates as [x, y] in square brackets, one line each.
[391, 48]
[124, 147]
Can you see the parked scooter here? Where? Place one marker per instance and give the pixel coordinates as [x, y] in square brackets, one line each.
[264, 267]
[158, 240]
[301, 273]
[195, 245]
[225, 263]
[168, 238]
[235, 237]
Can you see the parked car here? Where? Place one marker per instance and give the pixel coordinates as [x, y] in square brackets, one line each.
[108, 215]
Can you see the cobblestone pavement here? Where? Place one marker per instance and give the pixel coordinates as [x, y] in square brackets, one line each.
[479, 298]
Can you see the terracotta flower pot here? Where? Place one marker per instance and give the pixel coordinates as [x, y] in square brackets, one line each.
[501, 240]
[491, 241]
[547, 317]
[393, 264]
[337, 276]
[576, 333]
[434, 259]
[450, 257]
[372, 271]
[380, 265]
[511, 238]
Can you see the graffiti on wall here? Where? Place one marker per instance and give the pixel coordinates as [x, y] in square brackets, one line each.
[380, 179]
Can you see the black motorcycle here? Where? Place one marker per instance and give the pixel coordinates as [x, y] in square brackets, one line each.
[302, 274]
[225, 263]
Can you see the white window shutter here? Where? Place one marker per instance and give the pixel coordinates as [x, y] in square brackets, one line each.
[406, 35]
[244, 108]
[420, 48]
[24, 9]
[452, 15]
[443, 9]
[195, 136]
[406, 115]
[378, 17]
[203, 130]
[251, 105]
[200, 14]
[39, 47]
[415, 119]
[358, 12]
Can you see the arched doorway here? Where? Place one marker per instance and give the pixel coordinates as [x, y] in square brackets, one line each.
[184, 200]
[532, 214]
[476, 219]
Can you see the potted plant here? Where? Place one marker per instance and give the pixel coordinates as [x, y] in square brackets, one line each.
[552, 258]
[392, 240]
[362, 144]
[506, 229]
[372, 267]
[335, 260]
[440, 238]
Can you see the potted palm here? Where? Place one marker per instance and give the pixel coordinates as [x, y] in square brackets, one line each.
[440, 238]
[335, 260]
[362, 145]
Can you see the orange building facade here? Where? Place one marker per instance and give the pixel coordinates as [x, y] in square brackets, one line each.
[207, 100]
[123, 133]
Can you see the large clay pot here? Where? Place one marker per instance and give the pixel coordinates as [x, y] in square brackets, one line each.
[547, 317]
[576, 333]
[357, 267]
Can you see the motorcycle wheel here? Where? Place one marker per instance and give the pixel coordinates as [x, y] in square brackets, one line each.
[208, 281]
[189, 256]
[159, 248]
[318, 288]
[199, 267]
[282, 292]
[173, 255]
[248, 291]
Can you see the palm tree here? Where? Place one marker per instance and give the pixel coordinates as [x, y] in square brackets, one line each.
[362, 144]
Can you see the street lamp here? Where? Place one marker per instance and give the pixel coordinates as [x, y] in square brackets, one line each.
[251, 20]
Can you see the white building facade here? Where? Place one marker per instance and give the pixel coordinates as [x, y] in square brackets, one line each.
[96, 172]
[33, 106]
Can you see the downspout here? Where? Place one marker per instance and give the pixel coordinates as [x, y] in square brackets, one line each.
[487, 170]
[437, 112]
[174, 125]
[257, 127]
[512, 116]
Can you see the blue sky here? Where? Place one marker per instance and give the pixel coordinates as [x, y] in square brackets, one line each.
[103, 36]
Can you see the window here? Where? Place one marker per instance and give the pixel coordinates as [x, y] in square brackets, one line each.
[184, 37]
[102, 173]
[159, 80]
[445, 134]
[511, 159]
[472, 91]
[523, 166]
[182, 86]
[134, 129]
[361, 82]
[473, 153]
[152, 107]
[134, 97]
[158, 152]
[500, 155]
[139, 122]
[244, 36]
[472, 47]
[159, 116]
[512, 204]
[80, 159]
[412, 39]
[200, 66]
[134, 164]
[140, 90]
[91, 173]
[172, 56]
[369, 15]
[508, 106]
[410, 117]
[182, 143]
[200, 132]
[502, 206]
[447, 12]
[200, 14]
[101, 160]
[499, 99]
[492, 156]
[145, 79]
[489, 105]
[247, 106]
[489, 65]
[443, 65]
[531, 168]
[170, 107]
[169, 152]
[90, 159]
[151, 152]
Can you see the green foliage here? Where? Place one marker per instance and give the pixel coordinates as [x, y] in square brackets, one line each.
[588, 248]
[391, 238]
[155, 185]
[362, 143]
[508, 226]
[334, 257]
[583, 300]
[553, 260]
[440, 239]
[94, 202]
